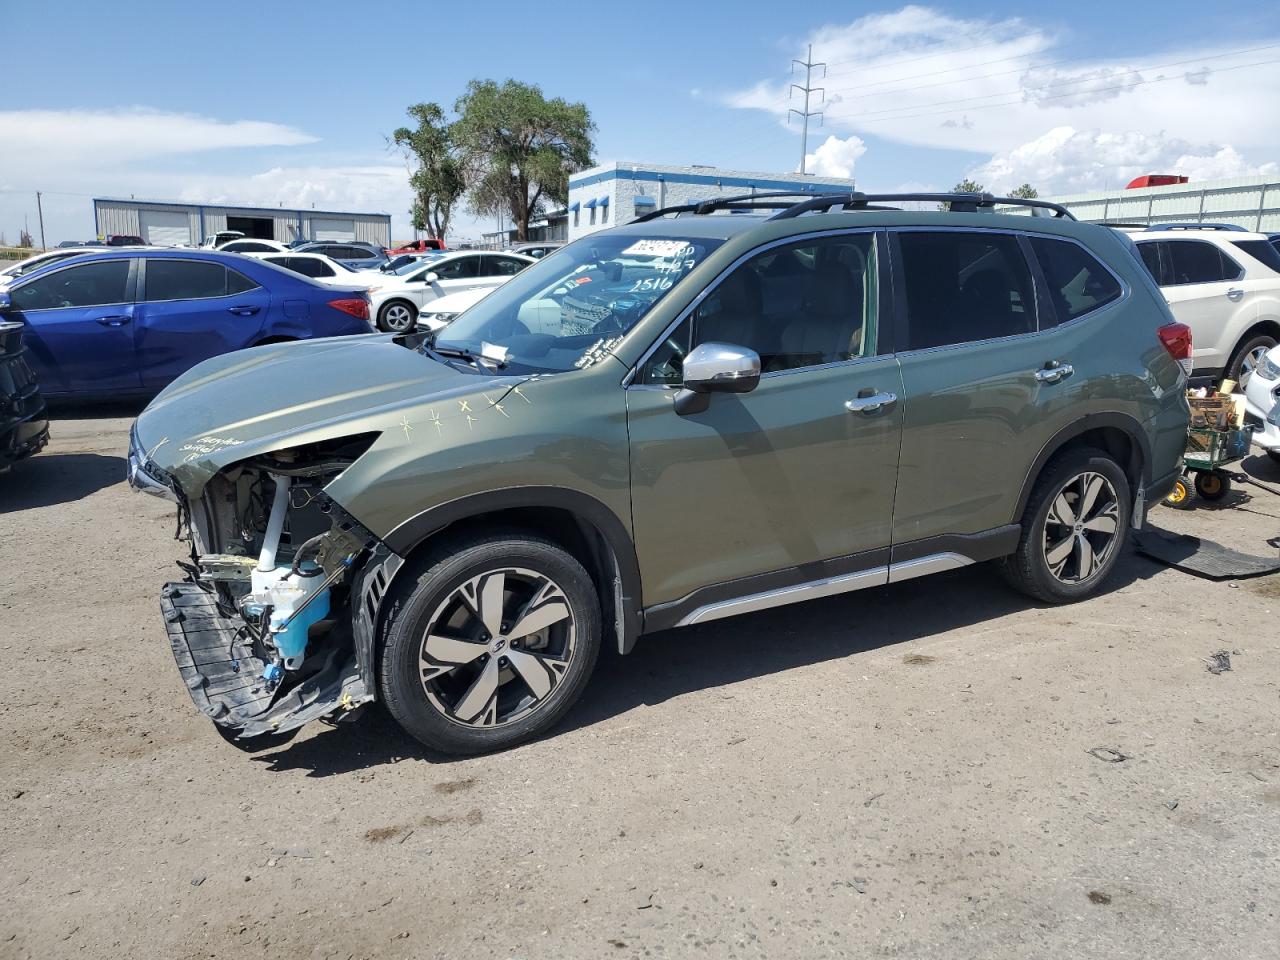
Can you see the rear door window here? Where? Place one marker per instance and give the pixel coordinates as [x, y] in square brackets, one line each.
[88, 285]
[1198, 261]
[184, 280]
[1078, 282]
[963, 287]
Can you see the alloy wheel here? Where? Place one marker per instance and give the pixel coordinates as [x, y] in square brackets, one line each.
[397, 318]
[1082, 528]
[1249, 362]
[497, 647]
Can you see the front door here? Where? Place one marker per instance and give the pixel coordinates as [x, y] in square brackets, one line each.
[80, 328]
[771, 484]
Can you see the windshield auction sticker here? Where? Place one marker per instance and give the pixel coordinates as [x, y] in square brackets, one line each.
[656, 248]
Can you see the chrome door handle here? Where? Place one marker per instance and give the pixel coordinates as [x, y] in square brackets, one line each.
[1234, 295]
[243, 311]
[119, 321]
[877, 401]
[1055, 373]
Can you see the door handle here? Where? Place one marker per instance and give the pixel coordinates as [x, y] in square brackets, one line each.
[871, 404]
[117, 321]
[243, 311]
[1055, 372]
[1235, 294]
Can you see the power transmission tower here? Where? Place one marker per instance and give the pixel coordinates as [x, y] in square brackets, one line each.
[807, 90]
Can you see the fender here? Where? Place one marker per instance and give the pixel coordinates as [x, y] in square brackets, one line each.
[1120, 421]
[626, 567]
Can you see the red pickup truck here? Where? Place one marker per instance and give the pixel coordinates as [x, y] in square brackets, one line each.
[420, 246]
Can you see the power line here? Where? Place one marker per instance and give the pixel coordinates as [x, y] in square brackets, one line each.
[807, 90]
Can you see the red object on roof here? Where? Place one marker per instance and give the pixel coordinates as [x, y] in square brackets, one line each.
[1155, 180]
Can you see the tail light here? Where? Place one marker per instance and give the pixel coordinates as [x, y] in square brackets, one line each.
[1176, 338]
[358, 307]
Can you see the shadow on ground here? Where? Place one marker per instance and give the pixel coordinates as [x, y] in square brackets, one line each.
[48, 479]
[676, 662]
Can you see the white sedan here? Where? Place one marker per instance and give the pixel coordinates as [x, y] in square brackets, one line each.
[439, 313]
[1261, 394]
[321, 269]
[397, 297]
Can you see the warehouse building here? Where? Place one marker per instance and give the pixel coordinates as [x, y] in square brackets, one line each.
[620, 192]
[188, 224]
[1249, 202]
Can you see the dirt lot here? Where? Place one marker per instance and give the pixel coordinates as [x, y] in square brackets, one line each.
[894, 773]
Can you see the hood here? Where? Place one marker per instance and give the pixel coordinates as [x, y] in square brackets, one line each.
[268, 398]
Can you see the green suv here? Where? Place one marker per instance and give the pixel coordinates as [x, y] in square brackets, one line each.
[718, 408]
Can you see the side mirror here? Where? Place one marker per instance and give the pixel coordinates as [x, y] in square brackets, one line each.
[6, 301]
[432, 277]
[716, 368]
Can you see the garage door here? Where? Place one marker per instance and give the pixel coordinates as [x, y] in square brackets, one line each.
[165, 228]
[344, 230]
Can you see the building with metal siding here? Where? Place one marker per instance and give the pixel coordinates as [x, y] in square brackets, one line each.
[1250, 202]
[168, 223]
[620, 192]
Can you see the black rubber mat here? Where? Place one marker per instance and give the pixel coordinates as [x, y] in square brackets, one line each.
[1204, 558]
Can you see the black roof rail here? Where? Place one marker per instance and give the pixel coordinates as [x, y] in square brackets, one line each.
[958, 202]
[1233, 227]
[768, 200]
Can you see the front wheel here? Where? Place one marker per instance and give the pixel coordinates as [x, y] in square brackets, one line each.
[490, 644]
[1073, 528]
[397, 316]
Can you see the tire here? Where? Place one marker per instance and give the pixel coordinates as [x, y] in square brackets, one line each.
[397, 316]
[1179, 498]
[1039, 567]
[456, 686]
[1246, 357]
[1213, 485]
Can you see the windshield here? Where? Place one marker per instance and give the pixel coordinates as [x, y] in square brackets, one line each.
[576, 302]
[412, 264]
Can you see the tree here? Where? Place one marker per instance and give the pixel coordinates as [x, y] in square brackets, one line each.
[966, 185]
[518, 148]
[1025, 192]
[24, 239]
[436, 179]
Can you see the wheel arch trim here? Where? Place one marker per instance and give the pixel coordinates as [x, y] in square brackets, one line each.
[1129, 426]
[410, 534]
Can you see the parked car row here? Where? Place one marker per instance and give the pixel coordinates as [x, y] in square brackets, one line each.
[685, 418]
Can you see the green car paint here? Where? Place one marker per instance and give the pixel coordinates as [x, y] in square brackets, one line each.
[762, 490]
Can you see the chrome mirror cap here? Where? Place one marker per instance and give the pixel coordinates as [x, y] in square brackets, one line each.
[721, 367]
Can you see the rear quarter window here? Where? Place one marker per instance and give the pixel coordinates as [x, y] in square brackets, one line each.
[1078, 282]
[1260, 250]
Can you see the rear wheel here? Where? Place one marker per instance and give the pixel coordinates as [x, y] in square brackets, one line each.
[1247, 356]
[1073, 529]
[397, 316]
[490, 644]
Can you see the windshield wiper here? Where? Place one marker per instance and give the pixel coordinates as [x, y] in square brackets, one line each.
[478, 360]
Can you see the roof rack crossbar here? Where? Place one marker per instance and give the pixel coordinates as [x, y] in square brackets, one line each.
[1233, 227]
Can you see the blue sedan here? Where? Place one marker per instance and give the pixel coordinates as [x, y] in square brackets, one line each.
[128, 323]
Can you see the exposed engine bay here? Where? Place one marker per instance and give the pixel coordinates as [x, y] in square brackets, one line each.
[262, 628]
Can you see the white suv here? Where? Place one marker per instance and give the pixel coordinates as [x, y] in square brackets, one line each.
[1222, 282]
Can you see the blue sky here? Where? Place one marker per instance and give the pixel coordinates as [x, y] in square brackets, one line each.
[293, 102]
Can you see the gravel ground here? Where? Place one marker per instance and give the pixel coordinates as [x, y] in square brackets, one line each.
[904, 772]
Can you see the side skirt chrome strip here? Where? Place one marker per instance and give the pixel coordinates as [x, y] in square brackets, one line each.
[847, 583]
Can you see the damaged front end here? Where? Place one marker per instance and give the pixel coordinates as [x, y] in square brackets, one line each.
[273, 625]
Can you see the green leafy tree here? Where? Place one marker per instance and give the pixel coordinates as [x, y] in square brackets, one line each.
[436, 174]
[1025, 192]
[968, 186]
[518, 148]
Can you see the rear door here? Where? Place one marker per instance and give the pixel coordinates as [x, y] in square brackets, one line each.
[1202, 285]
[975, 413]
[452, 274]
[190, 310]
[80, 327]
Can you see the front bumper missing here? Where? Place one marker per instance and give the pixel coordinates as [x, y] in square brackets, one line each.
[215, 657]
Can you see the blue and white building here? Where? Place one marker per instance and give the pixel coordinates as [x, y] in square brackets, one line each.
[619, 192]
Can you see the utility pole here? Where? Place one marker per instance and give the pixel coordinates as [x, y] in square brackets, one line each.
[40, 211]
[807, 89]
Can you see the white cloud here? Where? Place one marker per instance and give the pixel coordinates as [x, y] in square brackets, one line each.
[835, 157]
[1066, 160]
[73, 139]
[924, 78]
